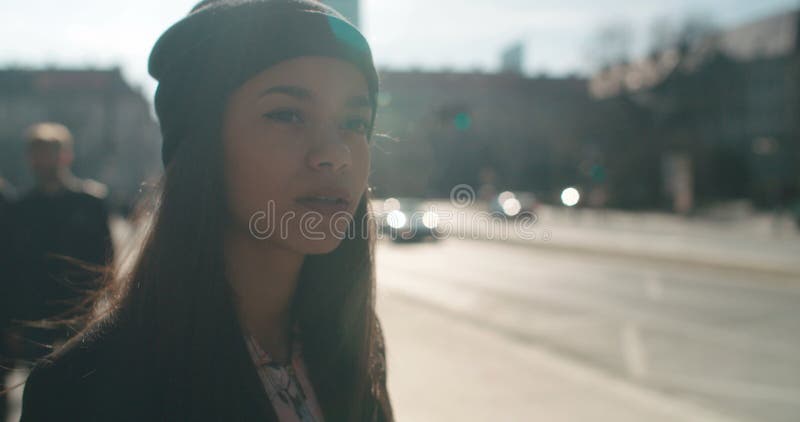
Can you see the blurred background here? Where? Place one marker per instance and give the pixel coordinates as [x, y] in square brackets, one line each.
[589, 210]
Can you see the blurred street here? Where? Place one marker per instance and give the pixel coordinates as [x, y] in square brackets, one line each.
[570, 330]
[584, 211]
[489, 331]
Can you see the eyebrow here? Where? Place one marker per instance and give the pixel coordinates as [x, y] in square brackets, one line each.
[300, 93]
[290, 90]
[359, 101]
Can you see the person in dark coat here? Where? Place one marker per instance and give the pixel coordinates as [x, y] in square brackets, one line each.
[60, 229]
[6, 266]
[251, 297]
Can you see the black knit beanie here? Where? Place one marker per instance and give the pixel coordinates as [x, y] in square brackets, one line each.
[220, 44]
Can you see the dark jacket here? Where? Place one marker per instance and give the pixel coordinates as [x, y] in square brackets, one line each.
[99, 379]
[53, 236]
[6, 263]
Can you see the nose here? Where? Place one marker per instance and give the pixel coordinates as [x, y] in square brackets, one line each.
[330, 152]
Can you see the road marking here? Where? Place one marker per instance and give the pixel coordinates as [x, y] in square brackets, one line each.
[575, 370]
[460, 278]
[633, 351]
[653, 287]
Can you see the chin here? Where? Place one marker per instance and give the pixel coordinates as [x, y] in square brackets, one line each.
[319, 239]
[317, 247]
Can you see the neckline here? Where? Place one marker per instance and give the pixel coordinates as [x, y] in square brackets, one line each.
[263, 358]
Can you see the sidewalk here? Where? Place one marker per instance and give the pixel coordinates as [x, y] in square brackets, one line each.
[754, 243]
[443, 369]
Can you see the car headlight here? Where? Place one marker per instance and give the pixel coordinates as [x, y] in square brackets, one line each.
[511, 207]
[430, 219]
[396, 219]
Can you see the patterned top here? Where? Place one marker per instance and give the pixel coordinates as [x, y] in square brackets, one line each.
[287, 385]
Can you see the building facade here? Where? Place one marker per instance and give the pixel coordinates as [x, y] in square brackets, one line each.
[438, 130]
[727, 106]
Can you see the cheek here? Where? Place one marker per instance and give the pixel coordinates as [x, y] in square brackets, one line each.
[45, 163]
[361, 163]
[257, 171]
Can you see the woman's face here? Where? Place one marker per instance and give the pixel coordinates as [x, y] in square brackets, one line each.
[297, 154]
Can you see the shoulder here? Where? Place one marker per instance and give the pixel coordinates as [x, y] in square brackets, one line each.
[83, 380]
[82, 191]
[89, 197]
[89, 192]
[94, 189]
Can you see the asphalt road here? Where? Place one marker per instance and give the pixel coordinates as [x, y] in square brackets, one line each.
[722, 340]
[483, 330]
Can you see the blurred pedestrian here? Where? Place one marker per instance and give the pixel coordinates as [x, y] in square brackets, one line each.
[251, 298]
[59, 229]
[6, 265]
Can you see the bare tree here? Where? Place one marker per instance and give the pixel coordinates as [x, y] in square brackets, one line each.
[667, 33]
[611, 43]
[663, 34]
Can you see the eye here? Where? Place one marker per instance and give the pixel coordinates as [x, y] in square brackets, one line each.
[357, 124]
[286, 116]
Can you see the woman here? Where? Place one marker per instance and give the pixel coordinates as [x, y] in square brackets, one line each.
[252, 297]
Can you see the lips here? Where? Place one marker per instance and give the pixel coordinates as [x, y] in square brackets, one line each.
[326, 201]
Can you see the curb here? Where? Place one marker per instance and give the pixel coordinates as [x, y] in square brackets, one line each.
[791, 272]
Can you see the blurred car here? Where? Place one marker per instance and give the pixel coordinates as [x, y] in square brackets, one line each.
[513, 204]
[408, 219]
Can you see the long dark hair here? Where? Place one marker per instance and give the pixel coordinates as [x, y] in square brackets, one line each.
[175, 300]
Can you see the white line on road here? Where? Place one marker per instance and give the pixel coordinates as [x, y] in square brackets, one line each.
[583, 374]
[633, 351]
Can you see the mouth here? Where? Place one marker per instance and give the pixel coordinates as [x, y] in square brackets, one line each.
[326, 202]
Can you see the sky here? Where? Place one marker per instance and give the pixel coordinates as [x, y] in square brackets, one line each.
[459, 35]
